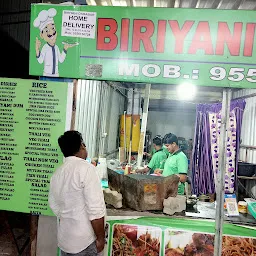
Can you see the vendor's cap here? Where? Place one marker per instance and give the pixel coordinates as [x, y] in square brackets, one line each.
[44, 18]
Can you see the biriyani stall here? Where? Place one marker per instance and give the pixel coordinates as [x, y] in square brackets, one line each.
[171, 53]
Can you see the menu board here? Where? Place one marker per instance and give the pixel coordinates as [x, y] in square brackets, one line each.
[32, 117]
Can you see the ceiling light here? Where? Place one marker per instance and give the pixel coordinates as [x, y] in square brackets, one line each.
[186, 91]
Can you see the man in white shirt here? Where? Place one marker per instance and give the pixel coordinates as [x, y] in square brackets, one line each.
[76, 198]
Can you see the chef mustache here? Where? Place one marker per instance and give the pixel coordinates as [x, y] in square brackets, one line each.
[52, 34]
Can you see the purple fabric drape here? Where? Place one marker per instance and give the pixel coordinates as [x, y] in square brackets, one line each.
[202, 167]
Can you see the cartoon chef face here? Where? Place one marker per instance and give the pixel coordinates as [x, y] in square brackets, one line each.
[46, 24]
[49, 34]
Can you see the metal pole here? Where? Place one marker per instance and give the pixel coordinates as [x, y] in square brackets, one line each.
[74, 104]
[125, 149]
[143, 125]
[220, 183]
[106, 132]
[131, 128]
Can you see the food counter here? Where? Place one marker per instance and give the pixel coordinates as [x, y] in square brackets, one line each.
[175, 237]
[190, 232]
[138, 189]
[204, 211]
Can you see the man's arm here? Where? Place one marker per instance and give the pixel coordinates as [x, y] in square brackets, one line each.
[150, 166]
[147, 154]
[145, 170]
[96, 208]
[52, 201]
[152, 163]
[99, 230]
[183, 168]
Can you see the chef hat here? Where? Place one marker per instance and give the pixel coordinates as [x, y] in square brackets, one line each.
[44, 18]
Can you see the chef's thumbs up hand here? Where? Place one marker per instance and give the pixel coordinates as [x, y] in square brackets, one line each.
[38, 45]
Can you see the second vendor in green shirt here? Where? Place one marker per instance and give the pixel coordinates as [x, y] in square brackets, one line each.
[164, 148]
[176, 163]
[158, 158]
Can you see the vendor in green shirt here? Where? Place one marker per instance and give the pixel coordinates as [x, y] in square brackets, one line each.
[153, 151]
[176, 163]
[158, 159]
[164, 149]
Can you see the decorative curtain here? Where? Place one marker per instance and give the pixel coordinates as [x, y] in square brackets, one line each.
[205, 157]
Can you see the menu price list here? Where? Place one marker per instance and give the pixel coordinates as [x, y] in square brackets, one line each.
[32, 117]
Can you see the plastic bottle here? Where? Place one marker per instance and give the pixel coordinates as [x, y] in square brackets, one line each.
[104, 168]
[99, 170]
[126, 170]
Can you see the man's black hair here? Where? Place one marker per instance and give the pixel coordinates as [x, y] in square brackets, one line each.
[170, 138]
[70, 143]
[158, 140]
